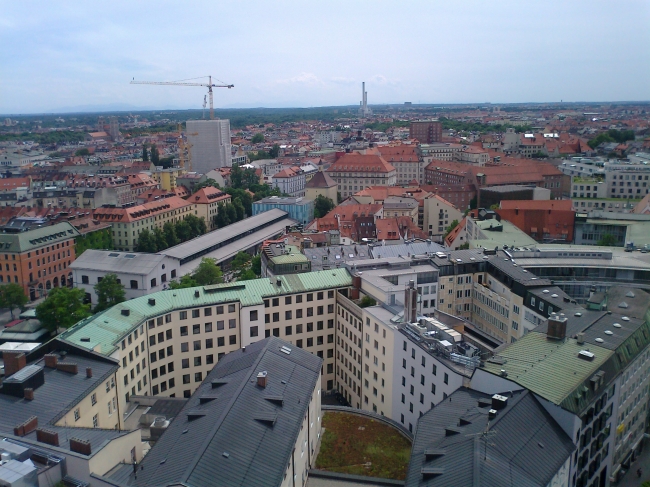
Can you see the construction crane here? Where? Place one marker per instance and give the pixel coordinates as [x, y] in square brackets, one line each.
[209, 85]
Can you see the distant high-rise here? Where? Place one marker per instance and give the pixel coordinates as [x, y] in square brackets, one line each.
[364, 111]
[426, 131]
[210, 144]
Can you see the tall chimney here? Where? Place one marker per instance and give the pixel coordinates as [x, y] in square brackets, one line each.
[89, 372]
[261, 378]
[410, 303]
[14, 361]
[556, 327]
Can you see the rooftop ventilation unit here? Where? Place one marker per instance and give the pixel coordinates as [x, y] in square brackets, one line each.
[586, 355]
[152, 302]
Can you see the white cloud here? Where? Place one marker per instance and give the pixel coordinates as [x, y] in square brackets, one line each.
[302, 78]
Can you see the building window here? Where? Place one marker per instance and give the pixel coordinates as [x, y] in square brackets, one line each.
[85, 280]
[134, 284]
[253, 316]
[76, 414]
[254, 331]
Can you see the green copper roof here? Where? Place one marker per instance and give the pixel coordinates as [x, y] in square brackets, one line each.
[551, 369]
[103, 332]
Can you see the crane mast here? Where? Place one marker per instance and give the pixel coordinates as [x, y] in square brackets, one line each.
[209, 85]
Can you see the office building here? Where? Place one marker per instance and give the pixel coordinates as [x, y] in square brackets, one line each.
[38, 259]
[426, 131]
[210, 144]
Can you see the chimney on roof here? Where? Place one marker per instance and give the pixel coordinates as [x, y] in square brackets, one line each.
[261, 378]
[556, 327]
[29, 393]
[89, 372]
[14, 361]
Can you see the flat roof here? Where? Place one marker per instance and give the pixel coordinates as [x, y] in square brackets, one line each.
[118, 262]
[200, 246]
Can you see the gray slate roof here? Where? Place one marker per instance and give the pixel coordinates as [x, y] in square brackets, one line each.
[58, 395]
[525, 446]
[190, 451]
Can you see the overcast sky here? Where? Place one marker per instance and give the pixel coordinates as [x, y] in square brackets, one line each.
[70, 54]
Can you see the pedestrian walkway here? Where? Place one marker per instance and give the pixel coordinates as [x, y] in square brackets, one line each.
[643, 462]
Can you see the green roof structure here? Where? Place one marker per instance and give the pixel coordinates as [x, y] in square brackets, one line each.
[37, 238]
[103, 331]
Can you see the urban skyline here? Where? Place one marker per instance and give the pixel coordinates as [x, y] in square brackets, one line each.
[419, 53]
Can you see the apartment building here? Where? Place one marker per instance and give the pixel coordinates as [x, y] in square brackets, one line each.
[627, 180]
[59, 416]
[438, 215]
[290, 180]
[426, 131]
[268, 413]
[127, 223]
[167, 342]
[38, 259]
[206, 202]
[440, 151]
[353, 172]
[166, 178]
[407, 162]
[594, 354]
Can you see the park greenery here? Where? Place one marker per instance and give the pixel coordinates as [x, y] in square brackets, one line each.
[170, 235]
[62, 308]
[12, 296]
[620, 136]
[110, 291]
[257, 138]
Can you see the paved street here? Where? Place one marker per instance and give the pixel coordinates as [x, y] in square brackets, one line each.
[630, 479]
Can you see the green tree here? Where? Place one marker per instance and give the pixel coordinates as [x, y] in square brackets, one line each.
[197, 225]
[155, 156]
[464, 246]
[607, 240]
[207, 273]
[146, 242]
[12, 296]
[451, 226]
[221, 219]
[101, 239]
[167, 162]
[245, 198]
[236, 176]
[82, 152]
[145, 154]
[256, 265]
[183, 231]
[247, 275]
[169, 230]
[159, 239]
[185, 282]
[62, 308]
[109, 292]
[239, 209]
[322, 206]
[275, 151]
[257, 138]
[367, 301]
[240, 261]
[231, 213]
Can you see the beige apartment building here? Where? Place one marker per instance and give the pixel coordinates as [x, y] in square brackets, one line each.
[207, 201]
[127, 223]
[438, 215]
[353, 172]
[168, 341]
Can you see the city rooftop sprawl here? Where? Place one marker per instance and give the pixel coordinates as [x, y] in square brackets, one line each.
[476, 278]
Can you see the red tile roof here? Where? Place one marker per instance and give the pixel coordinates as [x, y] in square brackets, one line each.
[354, 162]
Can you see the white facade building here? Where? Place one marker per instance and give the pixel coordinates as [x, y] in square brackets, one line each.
[139, 273]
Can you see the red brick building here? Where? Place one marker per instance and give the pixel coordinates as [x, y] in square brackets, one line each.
[546, 221]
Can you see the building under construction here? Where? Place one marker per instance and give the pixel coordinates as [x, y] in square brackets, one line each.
[210, 142]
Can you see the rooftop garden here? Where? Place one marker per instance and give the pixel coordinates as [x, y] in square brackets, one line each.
[358, 445]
